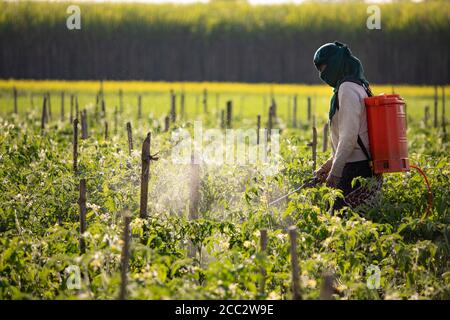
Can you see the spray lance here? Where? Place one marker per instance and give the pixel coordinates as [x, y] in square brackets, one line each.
[308, 184]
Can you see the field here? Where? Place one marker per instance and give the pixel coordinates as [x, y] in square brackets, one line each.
[201, 235]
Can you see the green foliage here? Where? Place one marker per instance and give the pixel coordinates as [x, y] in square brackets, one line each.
[39, 220]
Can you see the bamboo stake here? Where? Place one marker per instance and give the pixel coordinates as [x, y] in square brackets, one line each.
[82, 204]
[296, 292]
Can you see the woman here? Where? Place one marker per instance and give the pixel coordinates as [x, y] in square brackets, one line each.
[350, 142]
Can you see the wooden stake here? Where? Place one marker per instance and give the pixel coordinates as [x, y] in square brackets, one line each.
[325, 137]
[294, 120]
[130, 138]
[97, 101]
[145, 173]
[444, 124]
[314, 148]
[82, 204]
[139, 107]
[62, 106]
[435, 106]
[263, 246]
[258, 127]
[115, 119]
[125, 257]
[288, 119]
[71, 107]
[49, 106]
[44, 113]
[222, 119]
[84, 125]
[229, 113]
[75, 145]
[296, 292]
[106, 130]
[427, 116]
[274, 108]
[182, 105]
[194, 199]
[309, 109]
[173, 109]
[77, 112]
[15, 99]
[327, 287]
[103, 109]
[121, 100]
[270, 122]
[205, 101]
[194, 190]
[166, 124]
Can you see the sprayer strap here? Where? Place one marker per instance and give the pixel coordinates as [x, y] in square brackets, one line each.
[363, 148]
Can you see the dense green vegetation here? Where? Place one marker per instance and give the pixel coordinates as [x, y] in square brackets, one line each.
[220, 41]
[39, 228]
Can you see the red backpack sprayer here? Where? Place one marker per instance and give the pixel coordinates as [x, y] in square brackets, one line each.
[386, 121]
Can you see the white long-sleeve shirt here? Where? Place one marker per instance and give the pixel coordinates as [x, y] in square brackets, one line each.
[349, 121]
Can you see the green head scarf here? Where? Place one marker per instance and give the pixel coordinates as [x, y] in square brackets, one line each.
[341, 66]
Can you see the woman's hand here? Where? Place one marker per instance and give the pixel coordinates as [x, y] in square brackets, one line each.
[332, 181]
[321, 174]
